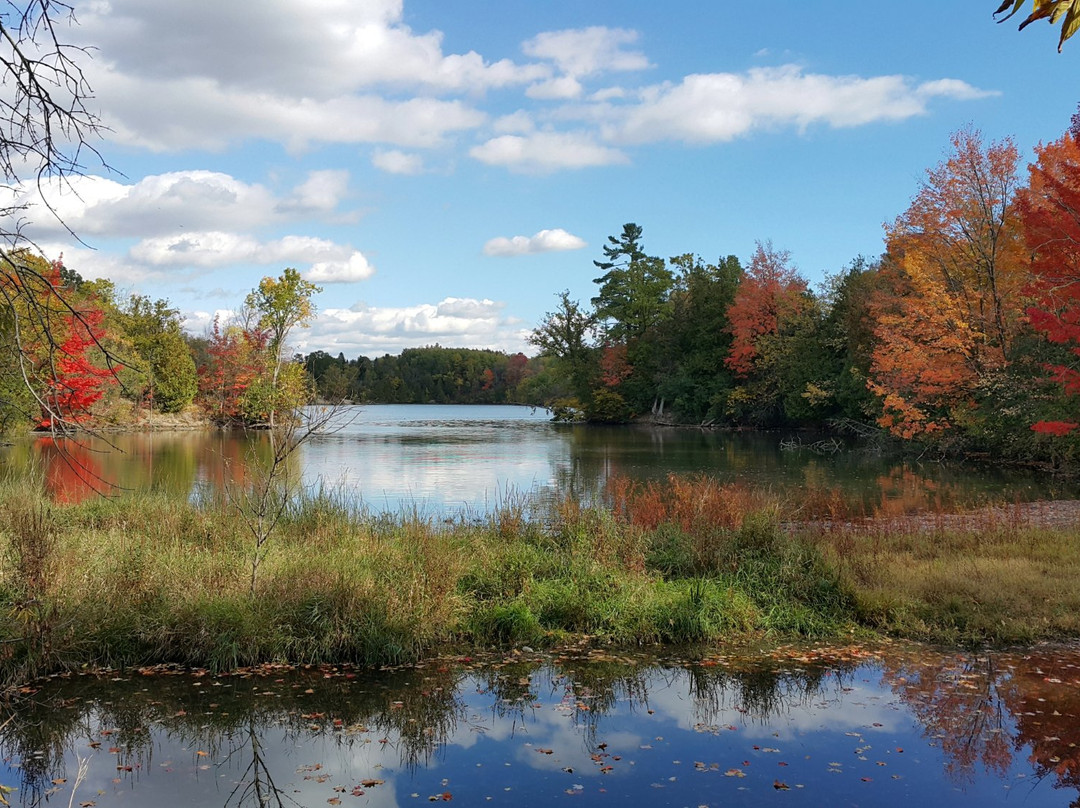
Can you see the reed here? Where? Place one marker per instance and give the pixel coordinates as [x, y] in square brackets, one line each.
[143, 579]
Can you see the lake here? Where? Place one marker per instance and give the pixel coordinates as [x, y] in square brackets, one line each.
[895, 725]
[889, 725]
[454, 460]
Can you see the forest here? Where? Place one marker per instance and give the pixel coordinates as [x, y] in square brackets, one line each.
[962, 336]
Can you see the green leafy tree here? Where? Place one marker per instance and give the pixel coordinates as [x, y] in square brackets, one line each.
[633, 289]
[174, 372]
[154, 331]
[566, 335]
[846, 337]
[632, 302]
[695, 339]
[282, 304]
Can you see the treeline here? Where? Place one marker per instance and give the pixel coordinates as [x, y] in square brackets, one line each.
[430, 375]
[962, 335]
[75, 353]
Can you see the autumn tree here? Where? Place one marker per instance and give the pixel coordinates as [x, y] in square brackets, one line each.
[54, 336]
[1050, 210]
[236, 357]
[951, 311]
[47, 131]
[772, 305]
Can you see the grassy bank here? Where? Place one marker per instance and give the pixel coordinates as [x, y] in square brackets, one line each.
[152, 579]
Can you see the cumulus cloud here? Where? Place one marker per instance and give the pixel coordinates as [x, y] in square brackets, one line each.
[393, 161]
[184, 113]
[457, 322]
[322, 191]
[564, 87]
[305, 47]
[216, 248]
[547, 151]
[186, 223]
[354, 268]
[544, 241]
[189, 200]
[207, 73]
[716, 107]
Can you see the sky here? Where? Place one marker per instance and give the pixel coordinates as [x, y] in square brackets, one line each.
[443, 170]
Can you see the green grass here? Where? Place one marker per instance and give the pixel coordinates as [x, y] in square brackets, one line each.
[145, 579]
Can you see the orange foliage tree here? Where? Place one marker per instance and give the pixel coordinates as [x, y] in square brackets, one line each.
[950, 309]
[770, 302]
[1050, 210]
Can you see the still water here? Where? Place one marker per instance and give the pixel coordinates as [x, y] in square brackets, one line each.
[449, 460]
[893, 726]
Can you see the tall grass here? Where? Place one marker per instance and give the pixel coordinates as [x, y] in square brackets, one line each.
[153, 579]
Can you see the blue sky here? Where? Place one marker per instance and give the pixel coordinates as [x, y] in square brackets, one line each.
[443, 169]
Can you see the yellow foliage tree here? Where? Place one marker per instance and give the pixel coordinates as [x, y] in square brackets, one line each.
[949, 315]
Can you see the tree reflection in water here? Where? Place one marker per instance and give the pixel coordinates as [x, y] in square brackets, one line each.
[267, 737]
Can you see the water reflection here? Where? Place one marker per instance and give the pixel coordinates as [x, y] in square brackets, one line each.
[826, 726]
[444, 460]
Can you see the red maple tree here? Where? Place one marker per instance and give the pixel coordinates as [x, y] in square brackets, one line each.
[1050, 211]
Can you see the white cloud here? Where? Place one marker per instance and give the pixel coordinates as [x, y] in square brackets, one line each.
[189, 200]
[562, 88]
[322, 191]
[544, 241]
[186, 112]
[516, 123]
[295, 71]
[354, 268]
[216, 248]
[588, 51]
[952, 88]
[716, 107]
[393, 161]
[452, 322]
[546, 151]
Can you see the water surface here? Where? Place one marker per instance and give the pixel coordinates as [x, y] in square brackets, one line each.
[446, 460]
[808, 726]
